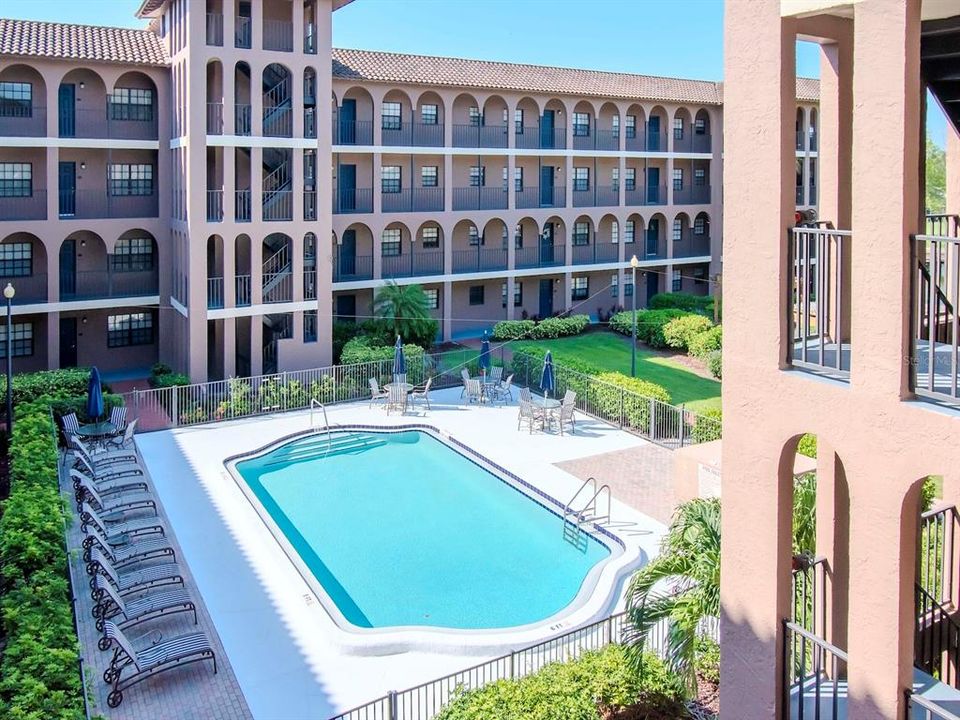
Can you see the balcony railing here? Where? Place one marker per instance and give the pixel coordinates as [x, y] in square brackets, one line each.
[605, 196]
[214, 293]
[591, 253]
[480, 198]
[814, 675]
[413, 134]
[309, 284]
[597, 139]
[413, 264]
[31, 289]
[278, 287]
[648, 141]
[97, 284]
[429, 199]
[358, 132]
[536, 138]
[819, 318]
[352, 267]
[99, 124]
[242, 283]
[95, 204]
[309, 38]
[24, 122]
[540, 256]
[649, 195]
[480, 259]
[242, 119]
[813, 141]
[545, 197]
[241, 212]
[278, 121]
[214, 205]
[691, 245]
[214, 118]
[278, 205]
[33, 207]
[215, 29]
[278, 35]
[480, 136]
[692, 195]
[347, 201]
[692, 142]
[309, 204]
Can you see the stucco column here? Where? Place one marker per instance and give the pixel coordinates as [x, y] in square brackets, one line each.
[256, 345]
[759, 157]
[229, 347]
[256, 89]
[53, 185]
[229, 40]
[447, 303]
[670, 166]
[377, 160]
[256, 188]
[53, 340]
[835, 128]
[511, 183]
[953, 170]
[511, 286]
[566, 286]
[833, 540]
[448, 182]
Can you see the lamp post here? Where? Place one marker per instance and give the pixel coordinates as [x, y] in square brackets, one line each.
[8, 293]
[633, 345]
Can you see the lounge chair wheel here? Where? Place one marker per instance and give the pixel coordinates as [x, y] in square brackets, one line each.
[103, 643]
[99, 625]
[97, 594]
[87, 543]
[98, 612]
[110, 674]
[91, 568]
[115, 698]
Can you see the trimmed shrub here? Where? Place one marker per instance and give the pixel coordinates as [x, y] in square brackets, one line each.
[707, 426]
[679, 332]
[547, 329]
[169, 380]
[650, 324]
[715, 364]
[513, 330]
[706, 342]
[69, 382]
[702, 304]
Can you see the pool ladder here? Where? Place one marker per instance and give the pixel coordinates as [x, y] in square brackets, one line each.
[574, 519]
[314, 403]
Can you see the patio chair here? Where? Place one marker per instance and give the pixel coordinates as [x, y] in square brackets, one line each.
[465, 377]
[123, 440]
[118, 532]
[133, 501]
[474, 391]
[422, 393]
[118, 417]
[108, 486]
[396, 398]
[525, 394]
[124, 555]
[152, 660]
[496, 373]
[138, 610]
[376, 393]
[130, 581]
[566, 414]
[570, 396]
[401, 378]
[70, 424]
[529, 414]
[504, 390]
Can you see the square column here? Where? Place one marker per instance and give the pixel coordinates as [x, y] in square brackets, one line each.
[835, 128]
[953, 169]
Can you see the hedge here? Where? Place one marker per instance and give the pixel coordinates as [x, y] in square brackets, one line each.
[547, 329]
[706, 342]
[161, 376]
[69, 382]
[708, 426]
[681, 331]
[361, 350]
[715, 364]
[650, 324]
[702, 304]
[587, 688]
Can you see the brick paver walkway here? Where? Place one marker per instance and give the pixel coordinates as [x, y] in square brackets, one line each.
[192, 692]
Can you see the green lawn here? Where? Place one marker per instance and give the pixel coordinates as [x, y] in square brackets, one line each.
[610, 351]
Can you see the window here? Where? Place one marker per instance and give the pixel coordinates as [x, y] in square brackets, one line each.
[390, 242]
[615, 179]
[677, 230]
[504, 236]
[700, 225]
[433, 298]
[16, 259]
[473, 237]
[517, 294]
[581, 124]
[476, 294]
[677, 281]
[615, 125]
[518, 121]
[700, 126]
[631, 126]
[581, 288]
[505, 181]
[132, 255]
[16, 180]
[16, 99]
[309, 326]
[630, 178]
[678, 178]
[518, 179]
[627, 286]
[478, 176]
[678, 128]
[518, 236]
[475, 118]
[628, 231]
[614, 285]
[391, 116]
[131, 104]
[699, 177]
[130, 329]
[131, 179]
[430, 237]
[699, 276]
[614, 232]
[581, 178]
[21, 340]
[429, 114]
[428, 176]
[581, 233]
[390, 179]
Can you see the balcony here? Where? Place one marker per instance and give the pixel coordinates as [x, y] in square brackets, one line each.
[24, 122]
[347, 201]
[819, 318]
[242, 205]
[278, 205]
[413, 134]
[102, 284]
[242, 32]
[309, 284]
[480, 198]
[535, 138]
[215, 29]
[691, 245]
[358, 132]
[97, 204]
[214, 293]
[413, 264]
[278, 287]
[428, 199]
[592, 253]
[242, 119]
[278, 35]
[214, 205]
[650, 195]
[309, 204]
[597, 140]
[30, 289]
[103, 124]
[242, 283]
[214, 118]
[348, 268]
[480, 136]
[596, 197]
[692, 142]
[540, 256]
[480, 259]
[545, 197]
[692, 195]
[33, 207]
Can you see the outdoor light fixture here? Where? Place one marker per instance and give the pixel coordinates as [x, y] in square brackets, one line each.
[8, 293]
[82, 85]
[634, 264]
[83, 166]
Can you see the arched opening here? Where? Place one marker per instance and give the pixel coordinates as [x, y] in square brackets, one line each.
[607, 239]
[608, 127]
[309, 103]
[214, 97]
[634, 128]
[702, 142]
[526, 242]
[396, 118]
[133, 264]
[215, 295]
[583, 126]
[680, 235]
[682, 131]
[354, 118]
[132, 107]
[526, 121]
[83, 265]
[277, 89]
[655, 236]
[553, 126]
[429, 256]
[657, 130]
[310, 266]
[493, 132]
[812, 130]
[353, 254]
[396, 253]
[581, 239]
[277, 268]
[81, 105]
[467, 121]
[800, 129]
[23, 111]
[429, 119]
[553, 240]
[242, 99]
[241, 268]
[467, 244]
[700, 235]
[278, 26]
[23, 264]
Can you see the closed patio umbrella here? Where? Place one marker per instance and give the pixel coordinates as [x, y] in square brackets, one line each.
[399, 360]
[94, 396]
[546, 379]
[485, 360]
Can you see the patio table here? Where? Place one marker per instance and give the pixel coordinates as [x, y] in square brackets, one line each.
[407, 387]
[549, 406]
[97, 431]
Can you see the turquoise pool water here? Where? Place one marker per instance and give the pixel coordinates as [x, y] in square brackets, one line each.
[401, 529]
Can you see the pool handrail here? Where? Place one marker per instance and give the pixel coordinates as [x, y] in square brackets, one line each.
[314, 403]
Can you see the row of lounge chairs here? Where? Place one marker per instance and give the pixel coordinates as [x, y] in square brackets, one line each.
[134, 575]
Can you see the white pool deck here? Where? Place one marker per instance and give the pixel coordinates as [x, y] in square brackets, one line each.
[281, 643]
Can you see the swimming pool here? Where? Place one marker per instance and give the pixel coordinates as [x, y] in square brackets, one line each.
[399, 529]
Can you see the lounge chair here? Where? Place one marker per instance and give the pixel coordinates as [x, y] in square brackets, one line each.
[122, 556]
[422, 393]
[123, 440]
[474, 391]
[101, 457]
[108, 486]
[529, 414]
[109, 506]
[151, 660]
[118, 532]
[127, 613]
[376, 393]
[118, 417]
[396, 398]
[130, 581]
[566, 414]
[70, 424]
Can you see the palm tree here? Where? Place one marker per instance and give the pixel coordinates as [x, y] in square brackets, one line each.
[689, 563]
[406, 309]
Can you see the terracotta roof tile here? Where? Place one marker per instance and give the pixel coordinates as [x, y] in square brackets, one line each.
[80, 42]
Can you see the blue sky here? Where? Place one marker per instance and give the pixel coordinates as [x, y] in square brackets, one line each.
[681, 38]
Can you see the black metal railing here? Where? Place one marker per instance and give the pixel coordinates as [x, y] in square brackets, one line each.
[691, 245]
[357, 132]
[242, 285]
[278, 35]
[95, 204]
[422, 199]
[603, 252]
[31, 207]
[214, 293]
[937, 639]
[277, 205]
[646, 195]
[413, 134]
[214, 118]
[242, 119]
[540, 138]
[214, 205]
[30, 289]
[480, 136]
[480, 198]
[815, 671]
[97, 284]
[352, 267]
[242, 207]
[479, 259]
[24, 122]
[540, 255]
[412, 264]
[243, 32]
[692, 195]
[542, 197]
[215, 29]
[352, 200]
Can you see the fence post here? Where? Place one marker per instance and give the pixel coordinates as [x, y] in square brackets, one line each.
[175, 405]
[610, 630]
[652, 410]
[136, 403]
[683, 424]
[283, 390]
[620, 419]
[392, 705]
[513, 663]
